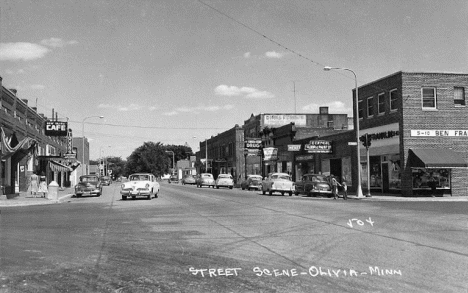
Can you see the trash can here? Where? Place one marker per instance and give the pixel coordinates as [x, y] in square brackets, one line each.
[53, 191]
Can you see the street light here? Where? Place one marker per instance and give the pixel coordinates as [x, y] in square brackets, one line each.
[173, 161]
[356, 118]
[82, 132]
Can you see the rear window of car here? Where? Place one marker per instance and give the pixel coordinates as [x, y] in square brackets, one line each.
[207, 175]
[88, 179]
[284, 177]
[225, 176]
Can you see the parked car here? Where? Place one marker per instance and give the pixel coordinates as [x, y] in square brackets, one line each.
[313, 184]
[252, 182]
[106, 180]
[278, 182]
[188, 179]
[140, 184]
[224, 180]
[174, 179]
[88, 185]
[206, 179]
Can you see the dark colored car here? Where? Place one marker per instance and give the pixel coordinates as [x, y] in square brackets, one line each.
[313, 185]
[88, 185]
[252, 182]
[189, 179]
[106, 180]
[173, 179]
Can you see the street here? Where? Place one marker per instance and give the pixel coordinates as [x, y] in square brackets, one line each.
[219, 240]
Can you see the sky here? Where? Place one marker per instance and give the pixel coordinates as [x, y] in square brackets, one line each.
[180, 71]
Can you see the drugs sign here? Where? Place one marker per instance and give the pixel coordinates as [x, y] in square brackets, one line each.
[253, 143]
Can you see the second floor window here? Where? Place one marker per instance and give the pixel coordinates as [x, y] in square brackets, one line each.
[360, 110]
[381, 106]
[429, 99]
[459, 96]
[370, 107]
[393, 100]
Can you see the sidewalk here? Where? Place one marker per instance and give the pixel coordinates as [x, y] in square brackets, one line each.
[398, 197]
[25, 199]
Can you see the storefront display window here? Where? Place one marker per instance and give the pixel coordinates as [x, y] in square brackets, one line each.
[422, 178]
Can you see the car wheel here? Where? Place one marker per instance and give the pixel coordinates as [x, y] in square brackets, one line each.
[77, 195]
[124, 197]
[270, 192]
[282, 193]
[263, 191]
[243, 188]
[290, 193]
[148, 196]
[217, 187]
[133, 197]
[296, 193]
[230, 187]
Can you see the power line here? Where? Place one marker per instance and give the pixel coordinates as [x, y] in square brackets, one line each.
[149, 127]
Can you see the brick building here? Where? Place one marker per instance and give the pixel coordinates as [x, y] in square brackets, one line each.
[417, 122]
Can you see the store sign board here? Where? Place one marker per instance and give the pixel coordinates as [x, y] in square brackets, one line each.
[294, 147]
[280, 120]
[69, 155]
[253, 143]
[56, 128]
[305, 158]
[434, 133]
[319, 146]
[270, 154]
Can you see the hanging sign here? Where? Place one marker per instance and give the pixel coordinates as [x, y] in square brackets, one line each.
[56, 128]
[270, 154]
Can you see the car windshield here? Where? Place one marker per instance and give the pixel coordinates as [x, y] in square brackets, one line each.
[139, 178]
[315, 178]
[89, 179]
[281, 176]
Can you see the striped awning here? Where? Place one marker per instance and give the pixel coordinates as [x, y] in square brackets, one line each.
[57, 167]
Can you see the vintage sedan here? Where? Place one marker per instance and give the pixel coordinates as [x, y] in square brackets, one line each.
[140, 184]
[189, 179]
[106, 180]
[313, 185]
[205, 179]
[252, 182]
[224, 180]
[88, 185]
[278, 182]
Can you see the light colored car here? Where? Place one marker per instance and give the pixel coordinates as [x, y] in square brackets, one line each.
[205, 179]
[224, 180]
[88, 185]
[313, 184]
[252, 182]
[278, 182]
[140, 184]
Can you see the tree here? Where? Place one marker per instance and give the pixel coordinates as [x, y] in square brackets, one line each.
[117, 165]
[152, 158]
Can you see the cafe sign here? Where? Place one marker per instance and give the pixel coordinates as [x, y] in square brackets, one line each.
[319, 146]
[56, 128]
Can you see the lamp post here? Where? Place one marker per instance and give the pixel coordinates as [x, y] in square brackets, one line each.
[356, 119]
[82, 132]
[173, 161]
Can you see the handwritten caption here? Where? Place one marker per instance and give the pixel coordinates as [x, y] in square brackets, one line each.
[359, 222]
[313, 271]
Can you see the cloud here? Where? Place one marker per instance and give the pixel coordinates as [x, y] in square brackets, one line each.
[247, 92]
[335, 107]
[131, 107]
[38, 87]
[57, 42]
[21, 51]
[273, 54]
[247, 55]
[198, 109]
[11, 72]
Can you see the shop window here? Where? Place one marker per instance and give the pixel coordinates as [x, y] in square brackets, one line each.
[459, 96]
[370, 107]
[429, 98]
[381, 103]
[422, 178]
[360, 110]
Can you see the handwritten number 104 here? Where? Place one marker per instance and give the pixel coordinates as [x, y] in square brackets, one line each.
[359, 222]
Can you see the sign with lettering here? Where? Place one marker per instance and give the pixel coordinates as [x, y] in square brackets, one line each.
[318, 146]
[253, 143]
[305, 158]
[270, 154]
[432, 133]
[294, 147]
[56, 128]
[280, 120]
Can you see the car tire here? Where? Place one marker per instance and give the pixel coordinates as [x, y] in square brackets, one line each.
[230, 187]
[290, 193]
[263, 191]
[243, 188]
[124, 197]
[133, 197]
[148, 196]
[77, 195]
[296, 193]
[270, 192]
[217, 187]
[282, 193]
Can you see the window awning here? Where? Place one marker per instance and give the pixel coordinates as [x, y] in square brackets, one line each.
[57, 167]
[11, 146]
[436, 158]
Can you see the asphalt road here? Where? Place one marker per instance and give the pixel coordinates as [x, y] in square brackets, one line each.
[209, 240]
